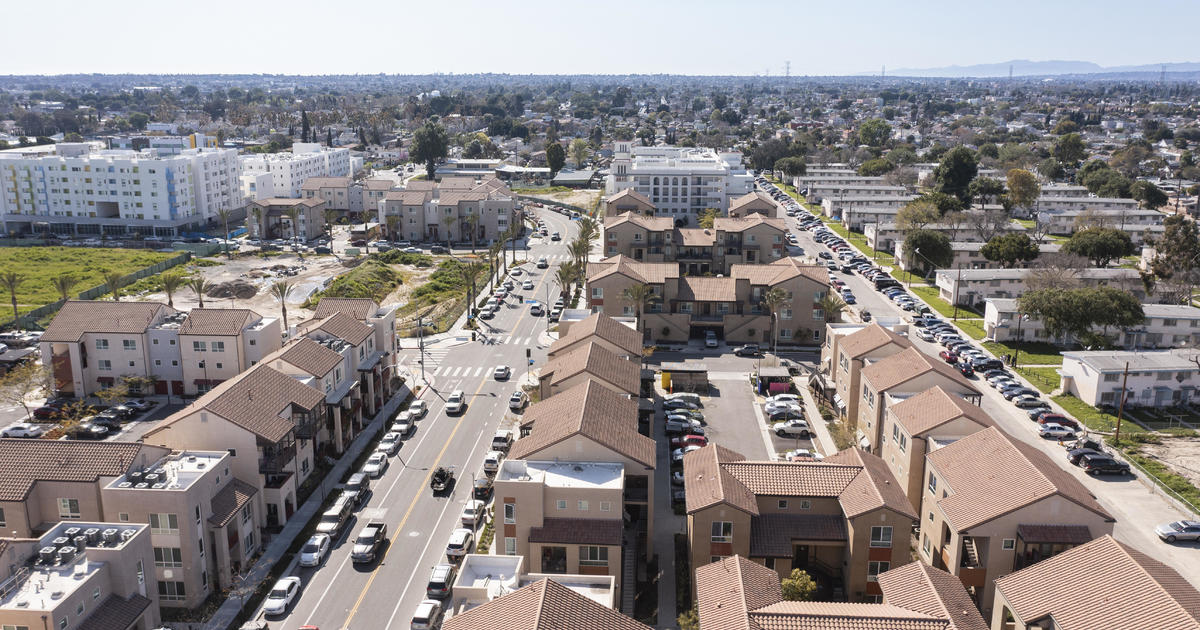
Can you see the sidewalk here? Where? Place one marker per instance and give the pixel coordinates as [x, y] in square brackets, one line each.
[816, 422]
[279, 544]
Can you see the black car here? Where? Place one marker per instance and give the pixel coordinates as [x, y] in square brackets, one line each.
[966, 370]
[748, 350]
[1075, 454]
[1101, 464]
[986, 365]
[438, 249]
[866, 316]
[88, 431]
[108, 422]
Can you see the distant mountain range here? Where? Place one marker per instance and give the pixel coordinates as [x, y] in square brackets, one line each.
[1026, 68]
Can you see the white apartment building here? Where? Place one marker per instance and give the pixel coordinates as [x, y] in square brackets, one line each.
[163, 145]
[1156, 379]
[973, 286]
[681, 182]
[1165, 326]
[81, 190]
[852, 209]
[307, 159]
[1122, 214]
[886, 234]
[819, 191]
[968, 255]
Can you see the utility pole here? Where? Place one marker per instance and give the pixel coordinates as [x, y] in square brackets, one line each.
[421, 345]
[956, 285]
[1121, 409]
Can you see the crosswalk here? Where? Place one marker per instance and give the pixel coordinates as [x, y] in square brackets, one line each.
[435, 359]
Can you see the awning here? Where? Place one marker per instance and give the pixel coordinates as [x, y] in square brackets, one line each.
[1054, 534]
[104, 380]
[837, 400]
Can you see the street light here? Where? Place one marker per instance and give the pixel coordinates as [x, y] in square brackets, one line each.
[1021, 317]
[775, 334]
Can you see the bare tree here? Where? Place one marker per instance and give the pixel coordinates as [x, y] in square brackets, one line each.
[989, 223]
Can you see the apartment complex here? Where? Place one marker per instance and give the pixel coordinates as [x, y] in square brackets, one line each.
[1163, 378]
[680, 182]
[92, 345]
[756, 202]
[457, 210]
[1165, 326]
[885, 235]
[339, 193]
[967, 255]
[972, 287]
[844, 355]
[80, 190]
[698, 251]
[601, 330]
[289, 171]
[590, 362]
[272, 218]
[732, 306]
[162, 144]
[545, 604]
[628, 200]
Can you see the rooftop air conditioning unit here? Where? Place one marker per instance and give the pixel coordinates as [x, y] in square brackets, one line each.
[47, 554]
[93, 535]
[66, 553]
[109, 535]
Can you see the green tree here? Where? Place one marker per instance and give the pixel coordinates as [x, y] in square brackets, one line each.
[1078, 311]
[1065, 126]
[1176, 253]
[1149, 195]
[640, 296]
[791, 166]
[707, 217]
[200, 287]
[429, 146]
[955, 172]
[875, 167]
[138, 120]
[63, 284]
[556, 157]
[690, 618]
[305, 129]
[833, 306]
[1069, 149]
[281, 291]
[1023, 188]
[1051, 169]
[1010, 249]
[985, 189]
[223, 215]
[798, 586]
[171, 283]
[926, 248]
[874, 132]
[566, 274]
[1099, 245]
[579, 151]
[944, 203]
[331, 217]
[114, 280]
[773, 300]
[916, 214]
[11, 281]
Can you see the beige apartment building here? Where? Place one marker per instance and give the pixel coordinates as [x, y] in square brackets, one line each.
[753, 239]
[543, 604]
[844, 520]
[601, 330]
[271, 218]
[993, 505]
[80, 575]
[340, 194]
[756, 202]
[592, 362]
[628, 200]
[843, 357]
[216, 345]
[369, 369]
[375, 361]
[902, 375]
[457, 210]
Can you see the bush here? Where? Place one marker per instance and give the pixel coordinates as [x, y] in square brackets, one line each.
[370, 280]
[397, 257]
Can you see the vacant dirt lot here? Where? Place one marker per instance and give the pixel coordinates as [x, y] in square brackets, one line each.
[1182, 455]
[585, 198]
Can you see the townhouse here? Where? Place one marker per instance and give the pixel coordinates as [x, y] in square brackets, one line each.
[835, 178]
[366, 335]
[1163, 378]
[323, 366]
[594, 362]
[1100, 584]
[628, 200]
[843, 520]
[681, 182]
[340, 194]
[80, 575]
[543, 605]
[968, 255]
[458, 210]
[754, 202]
[889, 380]
[834, 189]
[601, 330]
[971, 287]
[731, 306]
[992, 505]
[843, 357]
[737, 594]
[753, 239]
[886, 234]
[272, 218]
[1165, 326]
[216, 344]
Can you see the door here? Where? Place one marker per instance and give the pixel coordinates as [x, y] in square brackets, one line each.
[800, 557]
[554, 559]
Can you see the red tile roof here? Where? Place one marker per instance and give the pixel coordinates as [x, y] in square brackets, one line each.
[345, 326]
[729, 589]
[543, 605]
[77, 318]
[593, 411]
[310, 356]
[920, 587]
[25, 462]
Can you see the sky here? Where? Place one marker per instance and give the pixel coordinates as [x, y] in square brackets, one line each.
[697, 37]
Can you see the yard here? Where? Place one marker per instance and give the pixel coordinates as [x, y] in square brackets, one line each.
[40, 265]
[1032, 353]
[1093, 418]
[1044, 378]
[973, 328]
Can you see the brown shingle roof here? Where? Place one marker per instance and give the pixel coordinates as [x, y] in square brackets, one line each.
[1054, 534]
[779, 271]
[1122, 589]
[631, 195]
[217, 321]
[934, 407]
[116, 613]
[593, 411]
[409, 197]
[227, 502]
[646, 273]
[906, 365]
[920, 587]
[870, 338]
[874, 487]
[842, 616]
[78, 317]
[420, 185]
[703, 289]
[653, 224]
[729, 589]
[798, 479]
[456, 197]
[706, 481]
[378, 183]
[598, 362]
[603, 327]
[771, 535]
[577, 531]
[738, 224]
[311, 357]
[358, 308]
[543, 605]
[23, 463]
[756, 197]
[991, 475]
[696, 237]
[345, 326]
[316, 183]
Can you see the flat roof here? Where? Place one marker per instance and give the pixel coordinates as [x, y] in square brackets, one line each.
[48, 583]
[564, 474]
[177, 471]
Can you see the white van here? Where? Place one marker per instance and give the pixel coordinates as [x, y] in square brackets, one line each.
[684, 396]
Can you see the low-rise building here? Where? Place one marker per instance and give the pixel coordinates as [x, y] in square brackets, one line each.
[843, 357]
[1165, 326]
[1163, 378]
[886, 234]
[599, 329]
[968, 255]
[272, 218]
[457, 210]
[290, 170]
[628, 200]
[889, 380]
[699, 251]
[996, 505]
[340, 194]
[819, 191]
[971, 287]
[545, 604]
[754, 202]
[594, 362]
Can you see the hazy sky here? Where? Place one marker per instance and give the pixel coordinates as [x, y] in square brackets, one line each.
[564, 36]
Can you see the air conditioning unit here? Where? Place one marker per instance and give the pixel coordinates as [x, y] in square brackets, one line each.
[109, 536]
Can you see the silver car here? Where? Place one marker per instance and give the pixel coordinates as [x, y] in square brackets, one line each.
[1178, 530]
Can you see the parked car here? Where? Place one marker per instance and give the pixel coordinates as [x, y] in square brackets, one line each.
[710, 339]
[791, 428]
[461, 541]
[517, 400]
[948, 356]
[440, 581]
[1075, 454]
[966, 370]
[748, 350]
[427, 616]
[773, 407]
[676, 426]
[23, 430]
[418, 409]
[281, 595]
[1178, 530]
[689, 440]
[925, 334]
[389, 444]
[376, 464]
[403, 428]
[313, 552]
[679, 404]
[472, 513]
[1029, 402]
[87, 431]
[677, 454]
[1103, 464]
[1055, 431]
[784, 398]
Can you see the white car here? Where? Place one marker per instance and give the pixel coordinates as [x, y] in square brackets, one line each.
[313, 551]
[773, 408]
[802, 453]
[536, 310]
[1056, 431]
[502, 372]
[515, 271]
[389, 444]
[677, 454]
[784, 398]
[376, 464]
[405, 417]
[461, 541]
[281, 596]
[792, 428]
[924, 334]
[23, 430]
[517, 400]
[457, 401]
[472, 513]
[418, 409]
[527, 285]
[403, 428]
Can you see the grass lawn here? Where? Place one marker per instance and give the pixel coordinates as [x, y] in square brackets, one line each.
[1028, 223]
[1043, 378]
[1094, 418]
[39, 265]
[1032, 353]
[930, 295]
[973, 327]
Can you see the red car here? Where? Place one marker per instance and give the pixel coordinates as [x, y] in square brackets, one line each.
[689, 440]
[46, 413]
[1058, 418]
[948, 356]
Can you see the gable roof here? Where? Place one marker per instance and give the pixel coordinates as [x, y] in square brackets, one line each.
[410, 197]
[598, 362]
[543, 605]
[629, 194]
[646, 273]
[920, 587]
[906, 365]
[217, 321]
[872, 337]
[316, 183]
[311, 357]
[705, 289]
[756, 197]
[344, 326]
[934, 407]
[229, 501]
[872, 488]
[653, 224]
[991, 476]
[358, 308]
[729, 589]
[1125, 589]
[602, 327]
[779, 271]
[707, 482]
[593, 411]
[754, 219]
[24, 462]
[79, 317]
[842, 616]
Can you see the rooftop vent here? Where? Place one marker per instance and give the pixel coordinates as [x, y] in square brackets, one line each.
[47, 554]
[125, 484]
[109, 536]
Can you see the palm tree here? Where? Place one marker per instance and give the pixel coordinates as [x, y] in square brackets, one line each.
[63, 284]
[834, 306]
[773, 300]
[199, 286]
[258, 230]
[171, 282]
[472, 221]
[113, 280]
[223, 215]
[392, 222]
[493, 253]
[281, 290]
[579, 249]
[587, 228]
[564, 277]
[331, 217]
[640, 296]
[470, 271]
[448, 221]
[12, 281]
[293, 215]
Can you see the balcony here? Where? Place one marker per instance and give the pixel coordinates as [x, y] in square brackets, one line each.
[273, 458]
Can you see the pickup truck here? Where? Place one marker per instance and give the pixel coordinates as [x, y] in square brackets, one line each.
[370, 539]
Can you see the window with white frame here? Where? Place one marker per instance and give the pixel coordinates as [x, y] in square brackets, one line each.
[582, 506]
[199, 346]
[722, 532]
[591, 556]
[874, 568]
[129, 344]
[68, 508]
[170, 557]
[164, 523]
[1008, 544]
[510, 546]
[561, 504]
[102, 344]
[104, 365]
[218, 346]
[881, 536]
[597, 293]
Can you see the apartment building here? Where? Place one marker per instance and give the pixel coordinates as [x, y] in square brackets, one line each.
[680, 182]
[91, 345]
[458, 210]
[204, 525]
[289, 171]
[835, 189]
[916, 426]
[1165, 326]
[83, 191]
[542, 605]
[755, 202]
[886, 234]
[271, 218]
[972, 287]
[594, 362]
[1123, 588]
[736, 593]
[341, 194]
[843, 357]
[731, 306]
[698, 251]
[891, 379]
[854, 211]
[369, 345]
[162, 144]
[326, 367]
[1163, 378]
[374, 190]
[80, 575]
[628, 200]
[834, 177]
[41, 491]
[565, 489]
[843, 520]
[381, 361]
[967, 255]
[601, 330]
[993, 505]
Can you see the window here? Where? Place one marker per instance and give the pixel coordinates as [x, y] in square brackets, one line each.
[606, 506]
[249, 542]
[171, 591]
[510, 546]
[102, 344]
[3, 521]
[1008, 544]
[818, 315]
[218, 366]
[873, 599]
[246, 513]
[903, 443]
[881, 536]
[104, 365]
[8, 627]
[129, 344]
[561, 504]
[68, 508]
[62, 623]
[875, 568]
[932, 483]
[163, 523]
[722, 531]
[895, 432]
[1112, 378]
[218, 346]
[510, 513]
[805, 504]
[199, 346]
[583, 506]
[168, 557]
[925, 544]
[96, 594]
[593, 556]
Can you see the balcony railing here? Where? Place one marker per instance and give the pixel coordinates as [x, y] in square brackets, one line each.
[273, 460]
